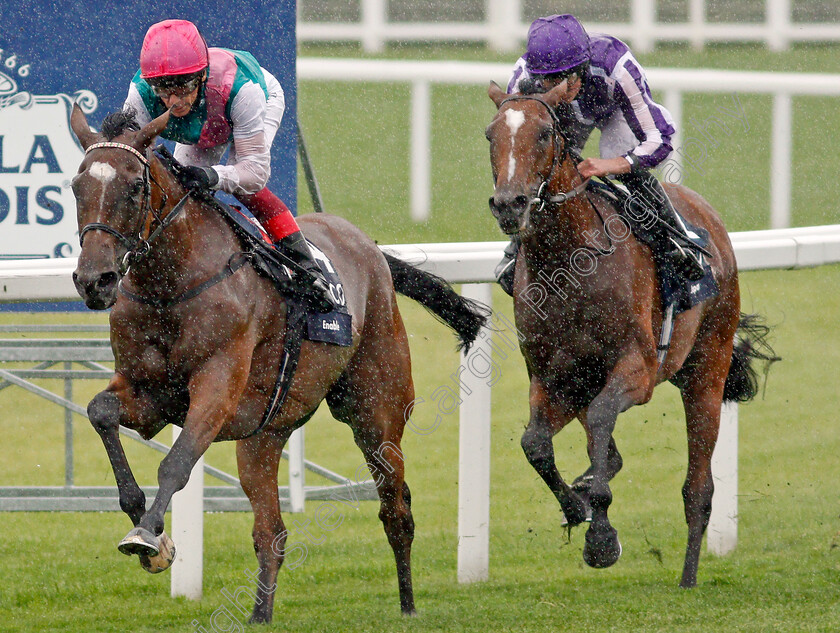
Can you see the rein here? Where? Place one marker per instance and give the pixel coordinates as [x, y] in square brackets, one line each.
[137, 247]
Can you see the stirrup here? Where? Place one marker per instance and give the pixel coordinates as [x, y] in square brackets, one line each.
[317, 293]
[689, 262]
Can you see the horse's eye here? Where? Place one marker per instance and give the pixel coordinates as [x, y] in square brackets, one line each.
[545, 136]
[135, 188]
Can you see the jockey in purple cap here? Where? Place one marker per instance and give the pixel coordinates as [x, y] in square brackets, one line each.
[608, 89]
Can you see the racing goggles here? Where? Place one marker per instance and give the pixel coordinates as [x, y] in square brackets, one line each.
[168, 87]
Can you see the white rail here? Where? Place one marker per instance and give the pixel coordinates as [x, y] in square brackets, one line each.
[504, 27]
[460, 262]
[473, 263]
[673, 82]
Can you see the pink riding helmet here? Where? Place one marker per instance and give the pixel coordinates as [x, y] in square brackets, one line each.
[172, 47]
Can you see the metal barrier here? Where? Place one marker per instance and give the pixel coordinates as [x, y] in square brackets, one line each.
[87, 355]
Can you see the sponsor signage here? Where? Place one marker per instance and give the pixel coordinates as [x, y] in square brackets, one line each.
[87, 53]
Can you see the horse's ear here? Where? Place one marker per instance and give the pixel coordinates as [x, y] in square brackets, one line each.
[80, 127]
[150, 132]
[496, 93]
[558, 94]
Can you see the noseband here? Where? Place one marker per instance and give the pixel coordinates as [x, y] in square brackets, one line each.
[136, 247]
[560, 155]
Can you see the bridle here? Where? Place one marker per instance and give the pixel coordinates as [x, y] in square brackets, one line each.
[136, 247]
[561, 152]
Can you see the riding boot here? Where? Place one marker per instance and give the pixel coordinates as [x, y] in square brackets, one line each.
[507, 267]
[688, 261]
[317, 291]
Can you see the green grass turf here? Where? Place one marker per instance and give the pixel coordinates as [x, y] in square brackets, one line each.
[61, 571]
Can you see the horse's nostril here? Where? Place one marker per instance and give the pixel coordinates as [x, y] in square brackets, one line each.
[520, 201]
[106, 280]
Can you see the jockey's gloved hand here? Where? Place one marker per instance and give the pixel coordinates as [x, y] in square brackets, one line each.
[200, 178]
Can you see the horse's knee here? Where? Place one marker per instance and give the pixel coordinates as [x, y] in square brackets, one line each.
[536, 446]
[104, 412]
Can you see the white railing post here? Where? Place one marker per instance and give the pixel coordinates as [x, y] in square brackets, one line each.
[643, 16]
[780, 159]
[697, 18]
[374, 20]
[297, 471]
[188, 534]
[722, 533]
[777, 19]
[421, 151]
[474, 455]
[503, 17]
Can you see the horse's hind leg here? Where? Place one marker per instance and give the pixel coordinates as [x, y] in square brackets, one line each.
[702, 395]
[258, 459]
[381, 447]
[372, 397]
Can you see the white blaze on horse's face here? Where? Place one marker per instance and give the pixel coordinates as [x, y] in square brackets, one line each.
[514, 120]
[104, 173]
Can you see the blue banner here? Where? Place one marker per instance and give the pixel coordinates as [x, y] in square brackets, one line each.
[55, 52]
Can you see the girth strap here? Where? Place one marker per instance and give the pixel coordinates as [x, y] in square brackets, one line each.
[295, 323]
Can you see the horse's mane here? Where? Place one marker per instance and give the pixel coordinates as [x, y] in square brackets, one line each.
[118, 122]
[531, 86]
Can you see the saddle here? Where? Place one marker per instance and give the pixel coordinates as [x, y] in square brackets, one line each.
[677, 294]
[675, 289]
[302, 321]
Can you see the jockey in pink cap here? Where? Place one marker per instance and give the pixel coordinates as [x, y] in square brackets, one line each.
[220, 99]
[608, 90]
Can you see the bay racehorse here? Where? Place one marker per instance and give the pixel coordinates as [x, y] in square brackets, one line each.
[589, 316]
[201, 351]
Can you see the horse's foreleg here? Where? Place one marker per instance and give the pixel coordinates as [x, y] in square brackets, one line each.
[118, 404]
[214, 393]
[614, 462]
[258, 459]
[630, 383]
[547, 418]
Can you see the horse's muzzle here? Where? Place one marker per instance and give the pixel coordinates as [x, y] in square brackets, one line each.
[98, 289]
[509, 211]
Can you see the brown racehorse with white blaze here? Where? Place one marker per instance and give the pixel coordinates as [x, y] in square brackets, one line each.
[208, 361]
[591, 348]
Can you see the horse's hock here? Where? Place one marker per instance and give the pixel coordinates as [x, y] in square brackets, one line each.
[24, 362]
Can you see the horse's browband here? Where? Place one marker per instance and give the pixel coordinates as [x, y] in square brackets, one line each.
[128, 148]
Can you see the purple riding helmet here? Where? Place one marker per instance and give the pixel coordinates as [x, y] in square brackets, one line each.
[556, 43]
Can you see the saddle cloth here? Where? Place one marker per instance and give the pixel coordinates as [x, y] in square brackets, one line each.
[333, 327]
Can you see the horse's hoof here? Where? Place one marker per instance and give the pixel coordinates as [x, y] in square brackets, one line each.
[139, 541]
[602, 548]
[163, 561]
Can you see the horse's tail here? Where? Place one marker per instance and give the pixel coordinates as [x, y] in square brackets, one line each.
[751, 345]
[465, 316]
